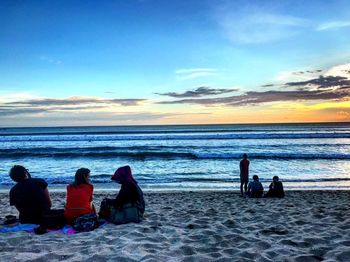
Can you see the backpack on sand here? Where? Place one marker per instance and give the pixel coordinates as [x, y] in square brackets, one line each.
[85, 223]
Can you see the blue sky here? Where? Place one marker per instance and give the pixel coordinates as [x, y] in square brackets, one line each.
[141, 49]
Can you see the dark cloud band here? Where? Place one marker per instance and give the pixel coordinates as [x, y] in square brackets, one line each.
[321, 88]
[199, 92]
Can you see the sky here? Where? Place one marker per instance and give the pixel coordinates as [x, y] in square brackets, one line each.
[140, 62]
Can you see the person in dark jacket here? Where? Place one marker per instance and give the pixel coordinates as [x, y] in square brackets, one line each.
[275, 188]
[129, 192]
[30, 196]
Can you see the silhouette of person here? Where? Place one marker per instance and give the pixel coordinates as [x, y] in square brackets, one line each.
[275, 188]
[255, 188]
[244, 173]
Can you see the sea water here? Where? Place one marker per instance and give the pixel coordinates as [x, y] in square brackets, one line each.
[183, 157]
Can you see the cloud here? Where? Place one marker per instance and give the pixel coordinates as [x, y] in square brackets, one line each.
[252, 98]
[199, 92]
[323, 82]
[268, 85]
[86, 118]
[289, 76]
[74, 101]
[333, 25]
[339, 70]
[10, 111]
[254, 25]
[186, 74]
[307, 72]
[25, 110]
[54, 105]
[321, 88]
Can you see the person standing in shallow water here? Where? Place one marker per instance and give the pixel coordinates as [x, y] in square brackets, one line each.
[244, 173]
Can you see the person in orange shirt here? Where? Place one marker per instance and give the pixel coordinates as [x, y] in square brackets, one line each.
[79, 196]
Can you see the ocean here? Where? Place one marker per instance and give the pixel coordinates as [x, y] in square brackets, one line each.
[183, 157]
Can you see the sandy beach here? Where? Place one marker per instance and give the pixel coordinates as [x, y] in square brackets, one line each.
[201, 226]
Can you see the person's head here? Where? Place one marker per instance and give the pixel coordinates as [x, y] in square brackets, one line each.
[275, 178]
[19, 173]
[82, 176]
[245, 156]
[123, 175]
[255, 178]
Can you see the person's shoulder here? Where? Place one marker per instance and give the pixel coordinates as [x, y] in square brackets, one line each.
[87, 186]
[13, 189]
[39, 181]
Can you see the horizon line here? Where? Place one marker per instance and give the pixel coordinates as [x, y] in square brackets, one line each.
[222, 124]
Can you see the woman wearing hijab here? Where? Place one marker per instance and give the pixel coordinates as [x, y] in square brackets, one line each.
[129, 205]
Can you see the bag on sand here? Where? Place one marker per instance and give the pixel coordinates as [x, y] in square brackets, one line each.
[128, 213]
[85, 223]
[105, 208]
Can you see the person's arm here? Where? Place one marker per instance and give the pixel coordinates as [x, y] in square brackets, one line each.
[12, 201]
[92, 205]
[92, 193]
[240, 167]
[48, 198]
[121, 197]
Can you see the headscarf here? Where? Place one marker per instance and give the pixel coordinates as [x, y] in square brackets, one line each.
[123, 175]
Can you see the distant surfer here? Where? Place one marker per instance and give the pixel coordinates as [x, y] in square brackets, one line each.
[244, 173]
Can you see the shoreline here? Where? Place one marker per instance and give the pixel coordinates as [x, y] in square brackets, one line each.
[113, 188]
[201, 226]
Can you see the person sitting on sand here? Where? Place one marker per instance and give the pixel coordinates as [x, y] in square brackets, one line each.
[244, 173]
[255, 188]
[129, 197]
[30, 195]
[275, 188]
[79, 196]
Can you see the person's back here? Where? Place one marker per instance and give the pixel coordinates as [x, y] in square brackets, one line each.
[255, 188]
[244, 167]
[79, 196]
[30, 196]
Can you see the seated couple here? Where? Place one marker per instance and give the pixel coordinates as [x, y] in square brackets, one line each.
[256, 190]
[31, 197]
